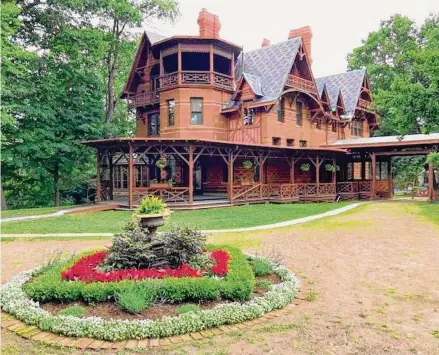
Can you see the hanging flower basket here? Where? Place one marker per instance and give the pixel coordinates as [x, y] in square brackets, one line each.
[330, 167]
[305, 167]
[161, 163]
[247, 164]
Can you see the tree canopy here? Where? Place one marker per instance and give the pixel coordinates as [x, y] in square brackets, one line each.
[402, 61]
[63, 64]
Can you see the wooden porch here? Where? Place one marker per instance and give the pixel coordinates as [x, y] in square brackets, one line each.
[207, 174]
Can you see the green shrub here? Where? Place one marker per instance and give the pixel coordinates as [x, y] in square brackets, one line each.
[181, 244]
[263, 285]
[152, 205]
[133, 300]
[261, 267]
[201, 261]
[131, 249]
[186, 308]
[75, 311]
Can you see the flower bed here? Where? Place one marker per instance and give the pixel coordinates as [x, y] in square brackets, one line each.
[237, 285]
[16, 302]
[85, 269]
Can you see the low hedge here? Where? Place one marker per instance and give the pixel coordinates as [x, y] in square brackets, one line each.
[237, 285]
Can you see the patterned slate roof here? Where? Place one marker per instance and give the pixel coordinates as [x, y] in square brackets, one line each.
[154, 37]
[255, 83]
[348, 83]
[271, 64]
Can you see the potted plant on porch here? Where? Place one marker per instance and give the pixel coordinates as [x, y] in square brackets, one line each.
[305, 167]
[247, 164]
[151, 213]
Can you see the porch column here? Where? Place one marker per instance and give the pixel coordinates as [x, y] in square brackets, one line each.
[318, 174]
[98, 176]
[390, 178]
[212, 79]
[293, 161]
[130, 177]
[191, 174]
[334, 173]
[110, 164]
[230, 178]
[179, 64]
[430, 181]
[261, 170]
[374, 170]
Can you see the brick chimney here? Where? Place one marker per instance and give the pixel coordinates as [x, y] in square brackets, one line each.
[265, 42]
[306, 34]
[209, 24]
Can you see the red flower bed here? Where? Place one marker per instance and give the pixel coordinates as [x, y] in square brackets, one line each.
[85, 269]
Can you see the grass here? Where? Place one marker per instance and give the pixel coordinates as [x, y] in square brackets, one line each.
[221, 218]
[429, 211]
[34, 211]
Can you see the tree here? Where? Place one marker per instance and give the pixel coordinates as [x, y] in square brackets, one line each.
[403, 63]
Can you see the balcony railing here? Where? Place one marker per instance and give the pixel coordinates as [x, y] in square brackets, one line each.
[146, 98]
[301, 84]
[196, 78]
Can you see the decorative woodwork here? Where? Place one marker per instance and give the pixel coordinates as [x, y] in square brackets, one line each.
[297, 82]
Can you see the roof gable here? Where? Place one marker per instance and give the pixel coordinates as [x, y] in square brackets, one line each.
[350, 83]
[271, 64]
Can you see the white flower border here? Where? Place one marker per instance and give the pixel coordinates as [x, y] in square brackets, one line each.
[15, 301]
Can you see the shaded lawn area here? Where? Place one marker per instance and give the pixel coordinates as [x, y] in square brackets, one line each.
[34, 211]
[220, 218]
[430, 211]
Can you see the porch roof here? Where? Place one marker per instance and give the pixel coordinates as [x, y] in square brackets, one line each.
[124, 141]
[431, 139]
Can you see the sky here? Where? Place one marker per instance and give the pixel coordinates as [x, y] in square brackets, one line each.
[338, 26]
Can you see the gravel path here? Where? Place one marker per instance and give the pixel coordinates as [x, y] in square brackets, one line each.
[372, 274]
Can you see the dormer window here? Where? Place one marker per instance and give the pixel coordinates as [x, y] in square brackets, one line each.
[248, 116]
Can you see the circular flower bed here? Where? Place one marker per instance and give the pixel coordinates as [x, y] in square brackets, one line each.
[45, 283]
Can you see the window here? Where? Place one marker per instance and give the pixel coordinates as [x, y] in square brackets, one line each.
[302, 144]
[276, 141]
[382, 170]
[248, 116]
[299, 118]
[154, 124]
[357, 128]
[196, 110]
[280, 110]
[171, 112]
[334, 126]
[120, 177]
[290, 142]
[141, 175]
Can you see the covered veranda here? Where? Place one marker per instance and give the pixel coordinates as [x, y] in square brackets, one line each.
[366, 171]
[195, 173]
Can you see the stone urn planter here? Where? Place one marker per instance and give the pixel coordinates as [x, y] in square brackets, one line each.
[152, 221]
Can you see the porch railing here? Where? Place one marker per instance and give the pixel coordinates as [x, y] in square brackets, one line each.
[282, 191]
[196, 78]
[167, 194]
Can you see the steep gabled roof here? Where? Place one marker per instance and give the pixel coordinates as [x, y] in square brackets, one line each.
[349, 83]
[255, 83]
[154, 37]
[271, 64]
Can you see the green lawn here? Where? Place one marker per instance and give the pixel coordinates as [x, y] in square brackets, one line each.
[33, 211]
[221, 218]
[430, 211]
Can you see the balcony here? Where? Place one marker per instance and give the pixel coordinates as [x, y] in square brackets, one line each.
[196, 78]
[144, 99]
[301, 84]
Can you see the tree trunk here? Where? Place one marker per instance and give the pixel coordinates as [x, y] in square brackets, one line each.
[112, 58]
[56, 187]
[4, 205]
